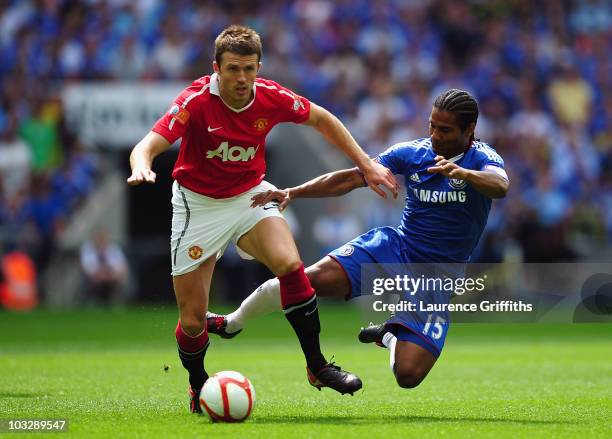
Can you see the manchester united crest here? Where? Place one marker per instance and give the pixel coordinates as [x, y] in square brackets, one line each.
[260, 124]
[195, 252]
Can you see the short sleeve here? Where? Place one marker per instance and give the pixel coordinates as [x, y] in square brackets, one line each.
[290, 106]
[491, 157]
[174, 122]
[493, 162]
[395, 159]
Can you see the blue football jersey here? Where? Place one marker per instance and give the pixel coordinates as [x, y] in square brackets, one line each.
[443, 218]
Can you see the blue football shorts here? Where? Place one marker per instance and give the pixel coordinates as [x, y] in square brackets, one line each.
[385, 245]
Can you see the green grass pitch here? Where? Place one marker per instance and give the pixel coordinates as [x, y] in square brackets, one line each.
[104, 371]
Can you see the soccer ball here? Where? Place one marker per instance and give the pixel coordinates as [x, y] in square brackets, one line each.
[228, 396]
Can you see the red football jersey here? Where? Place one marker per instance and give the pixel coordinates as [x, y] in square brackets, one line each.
[222, 151]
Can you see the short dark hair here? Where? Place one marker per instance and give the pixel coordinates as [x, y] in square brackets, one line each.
[241, 40]
[462, 104]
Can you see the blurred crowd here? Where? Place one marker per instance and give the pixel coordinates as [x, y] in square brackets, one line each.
[45, 174]
[541, 72]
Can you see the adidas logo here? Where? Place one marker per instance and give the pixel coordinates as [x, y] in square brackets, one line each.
[415, 177]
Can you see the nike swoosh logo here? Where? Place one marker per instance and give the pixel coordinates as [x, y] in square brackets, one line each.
[275, 205]
[210, 130]
[310, 312]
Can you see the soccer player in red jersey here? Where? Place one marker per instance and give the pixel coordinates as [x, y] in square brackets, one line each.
[223, 120]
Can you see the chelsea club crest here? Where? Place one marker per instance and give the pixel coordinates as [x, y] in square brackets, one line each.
[346, 250]
[457, 183]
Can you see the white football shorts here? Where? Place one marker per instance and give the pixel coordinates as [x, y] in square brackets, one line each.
[204, 226]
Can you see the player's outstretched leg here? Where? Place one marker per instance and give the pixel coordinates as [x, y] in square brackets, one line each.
[409, 361]
[264, 300]
[326, 277]
[270, 242]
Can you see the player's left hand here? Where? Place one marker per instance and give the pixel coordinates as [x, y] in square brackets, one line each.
[281, 196]
[448, 169]
[377, 174]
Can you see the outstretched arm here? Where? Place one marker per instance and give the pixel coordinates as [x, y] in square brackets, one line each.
[142, 157]
[328, 185]
[336, 133]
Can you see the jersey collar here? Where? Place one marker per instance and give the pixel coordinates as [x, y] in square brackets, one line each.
[456, 158]
[214, 89]
[459, 156]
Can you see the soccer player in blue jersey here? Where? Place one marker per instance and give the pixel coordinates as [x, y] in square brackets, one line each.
[451, 179]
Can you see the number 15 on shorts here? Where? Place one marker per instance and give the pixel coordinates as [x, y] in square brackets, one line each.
[434, 328]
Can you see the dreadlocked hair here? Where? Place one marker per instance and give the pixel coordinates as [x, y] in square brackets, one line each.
[461, 104]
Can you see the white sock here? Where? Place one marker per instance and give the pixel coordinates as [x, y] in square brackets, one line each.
[264, 300]
[389, 341]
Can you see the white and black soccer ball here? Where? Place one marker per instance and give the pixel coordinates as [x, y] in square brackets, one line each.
[228, 396]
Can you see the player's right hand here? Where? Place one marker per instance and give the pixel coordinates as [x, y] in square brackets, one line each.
[377, 174]
[281, 196]
[141, 175]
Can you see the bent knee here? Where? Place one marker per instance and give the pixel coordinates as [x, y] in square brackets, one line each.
[315, 275]
[193, 324]
[328, 278]
[410, 377]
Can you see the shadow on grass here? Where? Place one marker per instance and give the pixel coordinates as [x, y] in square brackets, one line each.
[398, 420]
[18, 395]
